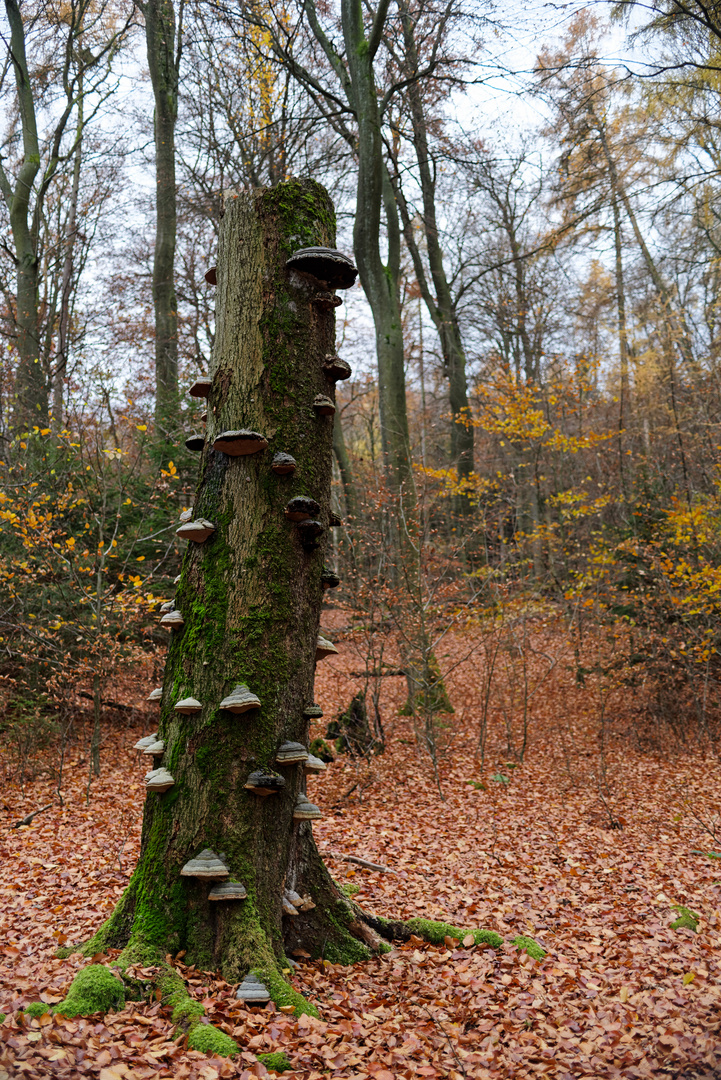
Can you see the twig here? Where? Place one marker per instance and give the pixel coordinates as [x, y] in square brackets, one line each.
[459, 1063]
[29, 818]
[366, 864]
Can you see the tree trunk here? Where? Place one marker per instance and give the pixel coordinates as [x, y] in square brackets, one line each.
[67, 278]
[31, 392]
[251, 600]
[441, 309]
[160, 32]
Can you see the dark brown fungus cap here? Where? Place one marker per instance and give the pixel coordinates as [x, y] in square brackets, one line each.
[195, 442]
[337, 369]
[301, 507]
[323, 405]
[325, 264]
[240, 443]
[211, 275]
[283, 464]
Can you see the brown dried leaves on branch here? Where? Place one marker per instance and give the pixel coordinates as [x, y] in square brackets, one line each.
[620, 993]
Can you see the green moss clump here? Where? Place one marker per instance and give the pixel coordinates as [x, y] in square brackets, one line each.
[277, 1062]
[530, 946]
[65, 951]
[38, 1008]
[208, 1040]
[687, 919]
[350, 889]
[93, 990]
[188, 1010]
[349, 951]
[282, 993]
[2, 1018]
[320, 748]
[437, 932]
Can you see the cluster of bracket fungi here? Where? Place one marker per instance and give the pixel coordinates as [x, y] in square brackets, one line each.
[330, 270]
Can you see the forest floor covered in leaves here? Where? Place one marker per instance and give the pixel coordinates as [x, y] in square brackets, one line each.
[619, 994]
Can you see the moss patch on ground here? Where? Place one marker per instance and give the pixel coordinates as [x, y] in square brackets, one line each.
[208, 1040]
[437, 932]
[93, 990]
[530, 946]
[687, 919]
[37, 1008]
[277, 1062]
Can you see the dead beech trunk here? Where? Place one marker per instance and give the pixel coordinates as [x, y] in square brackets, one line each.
[250, 598]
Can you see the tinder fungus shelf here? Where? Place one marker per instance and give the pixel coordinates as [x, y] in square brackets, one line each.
[301, 507]
[252, 990]
[240, 443]
[205, 865]
[283, 464]
[241, 700]
[159, 780]
[327, 265]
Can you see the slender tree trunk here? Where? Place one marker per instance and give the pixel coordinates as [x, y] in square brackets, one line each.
[163, 60]
[379, 282]
[250, 597]
[625, 392]
[441, 308]
[31, 391]
[340, 450]
[67, 278]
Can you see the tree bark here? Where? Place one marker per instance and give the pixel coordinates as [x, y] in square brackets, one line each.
[251, 600]
[163, 60]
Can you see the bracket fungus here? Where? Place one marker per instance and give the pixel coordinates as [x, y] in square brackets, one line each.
[304, 809]
[174, 620]
[323, 405]
[334, 521]
[291, 752]
[312, 711]
[328, 265]
[337, 369]
[240, 443]
[187, 515]
[205, 865]
[252, 990]
[264, 782]
[155, 748]
[147, 740]
[329, 579]
[228, 890]
[169, 605]
[201, 386]
[309, 531]
[198, 530]
[324, 648]
[159, 780]
[300, 903]
[288, 908]
[195, 443]
[314, 765]
[156, 694]
[326, 300]
[301, 507]
[188, 705]
[283, 464]
[211, 275]
[241, 700]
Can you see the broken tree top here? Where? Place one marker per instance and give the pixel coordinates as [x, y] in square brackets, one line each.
[252, 989]
[327, 264]
[205, 865]
[240, 443]
[241, 700]
[228, 890]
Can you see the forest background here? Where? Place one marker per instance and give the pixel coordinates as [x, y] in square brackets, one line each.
[527, 475]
